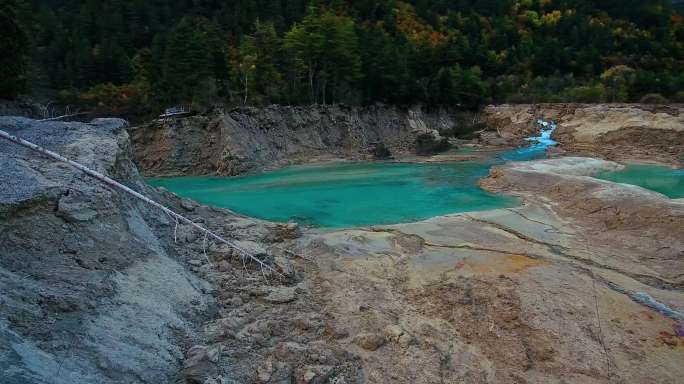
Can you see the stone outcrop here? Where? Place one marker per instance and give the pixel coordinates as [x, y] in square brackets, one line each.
[624, 133]
[249, 139]
[649, 133]
[96, 287]
[90, 289]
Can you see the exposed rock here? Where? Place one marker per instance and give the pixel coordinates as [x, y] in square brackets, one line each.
[75, 209]
[381, 152]
[617, 132]
[510, 295]
[248, 139]
[281, 295]
[265, 371]
[315, 374]
[224, 266]
[88, 300]
[285, 266]
[200, 364]
[186, 233]
[393, 332]
[283, 232]
[188, 205]
[430, 143]
[624, 132]
[370, 341]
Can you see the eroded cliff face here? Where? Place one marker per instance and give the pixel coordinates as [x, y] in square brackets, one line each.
[641, 133]
[252, 139]
[249, 139]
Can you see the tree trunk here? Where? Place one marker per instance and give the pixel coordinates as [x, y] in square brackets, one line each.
[311, 84]
[246, 88]
[325, 86]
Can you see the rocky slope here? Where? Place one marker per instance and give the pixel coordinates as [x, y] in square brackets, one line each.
[645, 133]
[248, 139]
[252, 139]
[94, 286]
[84, 272]
[98, 287]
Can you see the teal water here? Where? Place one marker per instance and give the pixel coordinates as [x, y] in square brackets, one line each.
[347, 194]
[668, 181]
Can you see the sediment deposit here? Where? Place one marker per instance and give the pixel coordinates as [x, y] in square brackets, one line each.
[582, 283]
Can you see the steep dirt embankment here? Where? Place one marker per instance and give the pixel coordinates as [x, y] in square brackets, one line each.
[248, 139]
[252, 139]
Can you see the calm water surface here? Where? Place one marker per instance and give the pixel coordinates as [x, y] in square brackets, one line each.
[668, 181]
[347, 194]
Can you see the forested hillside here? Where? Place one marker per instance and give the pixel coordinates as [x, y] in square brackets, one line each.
[135, 56]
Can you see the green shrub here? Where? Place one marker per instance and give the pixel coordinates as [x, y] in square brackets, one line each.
[586, 94]
[653, 98]
[678, 97]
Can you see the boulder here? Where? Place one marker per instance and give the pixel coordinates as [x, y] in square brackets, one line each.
[281, 295]
[75, 208]
[370, 341]
[200, 364]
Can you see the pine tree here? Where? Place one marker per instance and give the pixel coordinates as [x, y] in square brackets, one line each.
[187, 62]
[13, 45]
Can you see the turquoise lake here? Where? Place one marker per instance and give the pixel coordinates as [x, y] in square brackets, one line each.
[668, 181]
[349, 194]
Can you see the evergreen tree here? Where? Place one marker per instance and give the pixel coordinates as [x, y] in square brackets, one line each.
[326, 51]
[267, 78]
[187, 60]
[14, 45]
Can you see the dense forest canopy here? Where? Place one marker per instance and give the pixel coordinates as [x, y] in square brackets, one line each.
[141, 55]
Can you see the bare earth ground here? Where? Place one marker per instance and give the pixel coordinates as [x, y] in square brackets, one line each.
[549, 292]
[583, 283]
